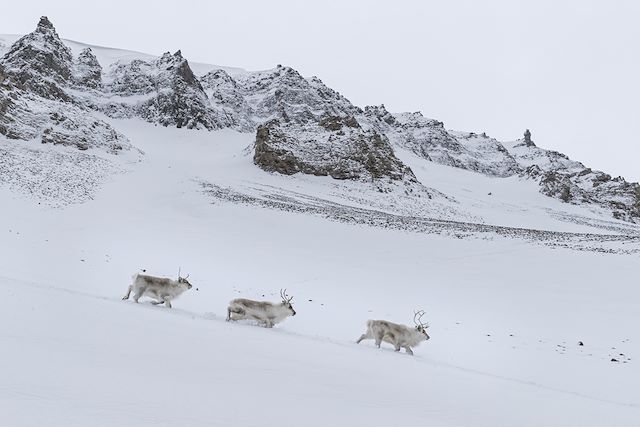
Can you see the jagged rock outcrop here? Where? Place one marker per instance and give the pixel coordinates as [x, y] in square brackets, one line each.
[428, 138]
[27, 116]
[39, 62]
[73, 128]
[35, 102]
[312, 129]
[336, 147]
[225, 96]
[572, 182]
[282, 93]
[87, 71]
[527, 139]
[174, 96]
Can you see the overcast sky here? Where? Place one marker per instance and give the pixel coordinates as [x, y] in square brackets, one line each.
[567, 70]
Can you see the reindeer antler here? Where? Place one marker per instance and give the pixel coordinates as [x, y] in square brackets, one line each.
[417, 318]
[284, 296]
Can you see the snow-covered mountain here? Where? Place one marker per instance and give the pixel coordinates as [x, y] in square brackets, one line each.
[572, 182]
[50, 95]
[36, 95]
[113, 161]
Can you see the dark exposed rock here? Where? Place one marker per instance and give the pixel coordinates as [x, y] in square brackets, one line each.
[344, 153]
[527, 139]
[45, 25]
[335, 123]
[270, 157]
[565, 193]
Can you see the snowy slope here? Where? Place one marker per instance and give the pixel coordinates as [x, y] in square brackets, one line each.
[506, 316]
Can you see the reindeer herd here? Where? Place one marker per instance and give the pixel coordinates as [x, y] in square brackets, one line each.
[163, 290]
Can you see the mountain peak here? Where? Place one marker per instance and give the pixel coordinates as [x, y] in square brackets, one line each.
[527, 138]
[39, 61]
[45, 25]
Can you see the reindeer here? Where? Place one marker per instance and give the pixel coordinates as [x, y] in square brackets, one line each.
[267, 313]
[163, 290]
[398, 335]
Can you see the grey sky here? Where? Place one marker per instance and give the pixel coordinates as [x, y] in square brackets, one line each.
[568, 70]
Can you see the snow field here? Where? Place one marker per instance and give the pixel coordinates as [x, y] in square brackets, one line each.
[505, 316]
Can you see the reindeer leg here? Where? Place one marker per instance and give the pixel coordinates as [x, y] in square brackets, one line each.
[128, 293]
[366, 336]
[379, 339]
[138, 294]
[238, 311]
[408, 350]
[397, 347]
[167, 303]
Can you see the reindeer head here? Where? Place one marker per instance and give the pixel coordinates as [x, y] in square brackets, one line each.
[420, 327]
[184, 281]
[286, 301]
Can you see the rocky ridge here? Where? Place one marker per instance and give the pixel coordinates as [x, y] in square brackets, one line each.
[572, 182]
[310, 128]
[301, 125]
[164, 91]
[36, 95]
[428, 138]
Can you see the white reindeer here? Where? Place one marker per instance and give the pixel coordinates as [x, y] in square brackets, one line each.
[161, 289]
[267, 313]
[400, 336]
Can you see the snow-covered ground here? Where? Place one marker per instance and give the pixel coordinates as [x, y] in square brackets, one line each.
[506, 314]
